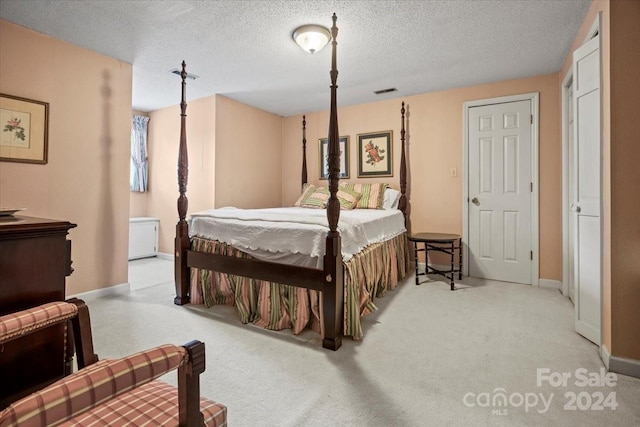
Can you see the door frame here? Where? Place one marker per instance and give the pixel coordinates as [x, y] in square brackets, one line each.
[532, 97]
[567, 81]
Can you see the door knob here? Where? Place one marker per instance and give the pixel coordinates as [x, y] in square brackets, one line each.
[575, 208]
[475, 201]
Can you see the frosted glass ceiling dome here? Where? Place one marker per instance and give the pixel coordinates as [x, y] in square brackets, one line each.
[311, 38]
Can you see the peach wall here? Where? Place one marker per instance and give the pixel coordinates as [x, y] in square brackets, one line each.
[86, 178]
[434, 146]
[247, 158]
[234, 159]
[137, 199]
[625, 196]
[164, 138]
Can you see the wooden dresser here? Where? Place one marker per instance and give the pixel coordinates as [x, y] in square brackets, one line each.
[35, 258]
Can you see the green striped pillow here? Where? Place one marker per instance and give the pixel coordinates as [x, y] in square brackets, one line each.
[317, 199]
[307, 190]
[348, 198]
[372, 194]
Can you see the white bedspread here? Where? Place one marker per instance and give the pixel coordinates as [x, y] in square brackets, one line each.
[278, 234]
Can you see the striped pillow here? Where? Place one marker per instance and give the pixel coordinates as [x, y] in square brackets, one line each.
[317, 199]
[372, 194]
[307, 190]
[348, 198]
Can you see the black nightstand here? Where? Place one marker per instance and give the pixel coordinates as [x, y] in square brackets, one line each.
[440, 242]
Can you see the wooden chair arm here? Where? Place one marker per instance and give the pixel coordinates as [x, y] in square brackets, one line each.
[82, 337]
[189, 385]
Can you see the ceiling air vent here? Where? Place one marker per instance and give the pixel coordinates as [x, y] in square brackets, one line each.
[381, 91]
[189, 75]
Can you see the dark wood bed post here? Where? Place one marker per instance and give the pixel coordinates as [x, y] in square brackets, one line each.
[402, 204]
[333, 292]
[182, 228]
[304, 150]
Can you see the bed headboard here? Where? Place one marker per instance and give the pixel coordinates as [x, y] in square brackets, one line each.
[402, 204]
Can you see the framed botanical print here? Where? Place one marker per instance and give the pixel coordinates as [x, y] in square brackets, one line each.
[24, 129]
[375, 154]
[324, 157]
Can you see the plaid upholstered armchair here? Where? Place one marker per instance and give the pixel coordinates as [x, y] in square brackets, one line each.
[111, 392]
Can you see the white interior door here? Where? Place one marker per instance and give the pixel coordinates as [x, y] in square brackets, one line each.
[586, 205]
[500, 188]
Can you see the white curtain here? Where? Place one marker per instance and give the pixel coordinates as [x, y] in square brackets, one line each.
[139, 161]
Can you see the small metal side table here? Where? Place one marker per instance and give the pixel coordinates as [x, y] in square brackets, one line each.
[440, 242]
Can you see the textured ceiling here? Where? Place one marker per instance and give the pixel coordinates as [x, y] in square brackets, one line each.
[244, 50]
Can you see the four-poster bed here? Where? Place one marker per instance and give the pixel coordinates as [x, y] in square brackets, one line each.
[244, 276]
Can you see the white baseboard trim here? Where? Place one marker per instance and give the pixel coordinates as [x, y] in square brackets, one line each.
[163, 255]
[605, 355]
[543, 283]
[624, 366]
[550, 284]
[124, 288]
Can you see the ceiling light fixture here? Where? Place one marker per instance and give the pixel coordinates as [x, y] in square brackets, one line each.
[311, 38]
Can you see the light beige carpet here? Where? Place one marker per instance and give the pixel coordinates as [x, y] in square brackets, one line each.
[429, 357]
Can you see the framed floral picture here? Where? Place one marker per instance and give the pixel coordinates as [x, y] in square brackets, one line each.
[324, 157]
[24, 129]
[375, 154]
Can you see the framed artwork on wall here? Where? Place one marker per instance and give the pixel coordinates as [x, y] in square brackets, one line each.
[324, 157]
[24, 130]
[375, 151]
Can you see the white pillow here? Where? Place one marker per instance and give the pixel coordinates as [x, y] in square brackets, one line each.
[391, 199]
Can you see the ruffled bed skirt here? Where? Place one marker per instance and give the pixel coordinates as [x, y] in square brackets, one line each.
[370, 273]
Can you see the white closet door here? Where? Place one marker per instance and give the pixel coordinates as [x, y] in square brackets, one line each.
[586, 206]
